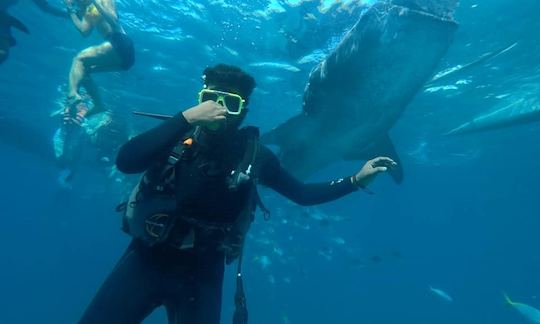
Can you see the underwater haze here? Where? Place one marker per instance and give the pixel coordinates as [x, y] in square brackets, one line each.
[442, 247]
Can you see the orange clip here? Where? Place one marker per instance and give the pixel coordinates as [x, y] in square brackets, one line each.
[188, 141]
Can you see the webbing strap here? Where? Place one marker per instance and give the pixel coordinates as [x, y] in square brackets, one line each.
[240, 312]
[180, 148]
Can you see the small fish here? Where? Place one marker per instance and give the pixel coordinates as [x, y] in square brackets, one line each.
[159, 68]
[339, 240]
[276, 65]
[529, 312]
[278, 251]
[441, 294]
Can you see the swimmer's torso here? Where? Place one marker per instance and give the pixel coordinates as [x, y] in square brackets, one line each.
[94, 17]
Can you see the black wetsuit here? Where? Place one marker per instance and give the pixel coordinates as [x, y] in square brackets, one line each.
[123, 45]
[188, 282]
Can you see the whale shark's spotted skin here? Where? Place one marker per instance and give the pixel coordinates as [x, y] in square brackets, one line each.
[357, 94]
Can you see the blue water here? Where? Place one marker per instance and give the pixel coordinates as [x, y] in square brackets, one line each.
[465, 220]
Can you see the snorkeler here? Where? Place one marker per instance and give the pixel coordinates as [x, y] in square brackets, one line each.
[115, 54]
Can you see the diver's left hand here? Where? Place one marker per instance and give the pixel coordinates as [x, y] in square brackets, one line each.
[371, 169]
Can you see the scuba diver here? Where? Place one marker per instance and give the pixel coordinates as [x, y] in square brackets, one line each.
[190, 212]
[116, 53]
[7, 22]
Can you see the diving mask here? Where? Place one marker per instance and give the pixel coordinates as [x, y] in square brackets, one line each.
[233, 102]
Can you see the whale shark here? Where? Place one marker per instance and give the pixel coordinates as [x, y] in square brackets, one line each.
[520, 108]
[488, 122]
[529, 312]
[358, 92]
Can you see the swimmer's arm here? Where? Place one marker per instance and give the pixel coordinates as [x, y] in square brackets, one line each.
[82, 25]
[107, 10]
[46, 7]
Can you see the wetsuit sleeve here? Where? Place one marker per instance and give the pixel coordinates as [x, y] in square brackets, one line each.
[274, 176]
[143, 150]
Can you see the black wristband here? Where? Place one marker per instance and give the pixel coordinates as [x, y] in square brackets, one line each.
[358, 186]
[355, 183]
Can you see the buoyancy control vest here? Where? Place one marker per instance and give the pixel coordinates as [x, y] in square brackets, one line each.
[157, 213]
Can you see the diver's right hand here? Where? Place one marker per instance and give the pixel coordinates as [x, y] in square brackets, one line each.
[207, 114]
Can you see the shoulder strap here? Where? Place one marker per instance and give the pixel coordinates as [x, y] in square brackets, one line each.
[187, 141]
[243, 172]
[160, 177]
[252, 134]
[248, 161]
[251, 149]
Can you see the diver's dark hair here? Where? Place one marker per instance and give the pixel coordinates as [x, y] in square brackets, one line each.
[230, 76]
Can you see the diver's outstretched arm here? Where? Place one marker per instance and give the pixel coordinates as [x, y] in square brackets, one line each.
[46, 7]
[274, 176]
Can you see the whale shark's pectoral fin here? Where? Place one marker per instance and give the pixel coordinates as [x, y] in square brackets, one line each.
[381, 147]
[300, 152]
[10, 21]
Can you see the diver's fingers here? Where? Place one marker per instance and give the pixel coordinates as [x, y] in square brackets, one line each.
[380, 169]
[219, 111]
[213, 105]
[220, 117]
[383, 161]
[377, 159]
[389, 163]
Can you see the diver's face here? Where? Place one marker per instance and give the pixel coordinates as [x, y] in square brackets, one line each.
[232, 121]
